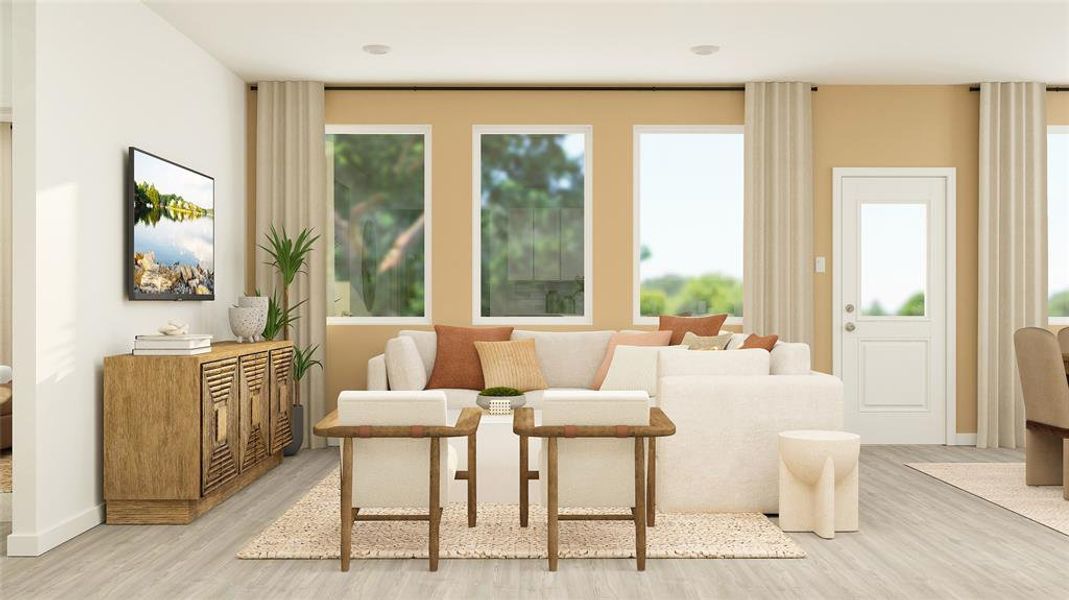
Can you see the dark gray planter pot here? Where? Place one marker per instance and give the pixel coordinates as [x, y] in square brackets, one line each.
[297, 426]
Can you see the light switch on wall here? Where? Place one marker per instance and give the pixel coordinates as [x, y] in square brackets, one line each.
[820, 264]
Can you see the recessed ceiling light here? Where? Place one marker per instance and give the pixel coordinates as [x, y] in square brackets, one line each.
[705, 49]
[377, 49]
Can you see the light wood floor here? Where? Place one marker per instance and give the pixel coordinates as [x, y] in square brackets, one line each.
[919, 538]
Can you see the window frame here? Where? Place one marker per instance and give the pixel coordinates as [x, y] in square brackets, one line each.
[477, 131]
[637, 318]
[387, 129]
[1058, 321]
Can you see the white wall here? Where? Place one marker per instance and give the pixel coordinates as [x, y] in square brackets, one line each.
[91, 80]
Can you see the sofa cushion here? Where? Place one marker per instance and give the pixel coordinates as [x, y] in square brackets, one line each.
[426, 344]
[737, 362]
[644, 338]
[510, 364]
[456, 363]
[694, 341]
[569, 359]
[635, 368]
[404, 368]
[790, 359]
[765, 342]
[708, 325]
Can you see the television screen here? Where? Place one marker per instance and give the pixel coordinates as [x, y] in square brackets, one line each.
[172, 230]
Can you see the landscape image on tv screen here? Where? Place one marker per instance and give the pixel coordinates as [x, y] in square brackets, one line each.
[172, 230]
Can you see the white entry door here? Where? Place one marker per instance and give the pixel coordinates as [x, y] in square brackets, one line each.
[893, 312]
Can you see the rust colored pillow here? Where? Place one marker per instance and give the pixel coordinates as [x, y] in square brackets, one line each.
[766, 342]
[457, 364]
[703, 326]
[636, 338]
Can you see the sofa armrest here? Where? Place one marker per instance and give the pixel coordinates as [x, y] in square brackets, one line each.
[376, 373]
[724, 456]
[404, 367]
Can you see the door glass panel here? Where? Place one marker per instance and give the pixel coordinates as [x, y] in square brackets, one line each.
[894, 259]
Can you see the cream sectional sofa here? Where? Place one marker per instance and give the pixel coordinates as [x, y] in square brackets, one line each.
[728, 408]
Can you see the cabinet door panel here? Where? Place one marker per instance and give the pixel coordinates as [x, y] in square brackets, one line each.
[219, 422]
[281, 396]
[253, 399]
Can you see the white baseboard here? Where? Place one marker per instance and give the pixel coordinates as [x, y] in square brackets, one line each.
[334, 441]
[965, 439]
[36, 544]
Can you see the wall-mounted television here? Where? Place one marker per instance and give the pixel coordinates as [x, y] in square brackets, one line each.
[171, 230]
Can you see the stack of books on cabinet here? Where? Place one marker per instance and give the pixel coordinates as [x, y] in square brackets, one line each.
[172, 345]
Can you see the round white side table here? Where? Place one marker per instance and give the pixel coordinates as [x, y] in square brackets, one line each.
[818, 478]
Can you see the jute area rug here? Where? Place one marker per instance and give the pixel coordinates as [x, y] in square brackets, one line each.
[5, 471]
[1003, 484]
[309, 529]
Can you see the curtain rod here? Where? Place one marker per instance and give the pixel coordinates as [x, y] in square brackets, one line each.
[1050, 88]
[531, 88]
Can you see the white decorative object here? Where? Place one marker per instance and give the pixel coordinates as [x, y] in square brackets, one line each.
[500, 405]
[818, 479]
[260, 304]
[174, 328]
[245, 323]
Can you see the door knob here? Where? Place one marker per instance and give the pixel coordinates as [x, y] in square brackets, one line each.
[849, 308]
[849, 327]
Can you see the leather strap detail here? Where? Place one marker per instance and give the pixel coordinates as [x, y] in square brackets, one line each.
[363, 431]
[570, 431]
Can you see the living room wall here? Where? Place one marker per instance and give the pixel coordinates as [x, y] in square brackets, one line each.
[873, 126]
[91, 80]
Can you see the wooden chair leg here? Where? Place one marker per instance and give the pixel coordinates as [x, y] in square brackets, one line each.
[346, 549]
[640, 503]
[651, 484]
[472, 470]
[434, 511]
[551, 507]
[524, 507]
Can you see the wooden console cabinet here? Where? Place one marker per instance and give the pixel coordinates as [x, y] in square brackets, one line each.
[184, 433]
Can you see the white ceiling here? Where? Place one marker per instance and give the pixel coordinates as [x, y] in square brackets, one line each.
[598, 42]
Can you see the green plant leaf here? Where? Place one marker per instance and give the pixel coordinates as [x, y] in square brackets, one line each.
[501, 392]
[303, 361]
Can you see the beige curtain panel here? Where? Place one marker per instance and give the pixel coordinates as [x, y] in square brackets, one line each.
[1013, 249]
[778, 213]
[290, 193]
[5, 243]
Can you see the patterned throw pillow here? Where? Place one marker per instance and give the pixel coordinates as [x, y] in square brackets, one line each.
[456, 362]
[511, 364]
[701, 342]
[708, 325]
[766, 342]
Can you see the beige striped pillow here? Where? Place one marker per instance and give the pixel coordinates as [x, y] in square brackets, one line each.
[511, 364]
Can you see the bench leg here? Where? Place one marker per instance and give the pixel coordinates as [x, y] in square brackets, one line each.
[524, 502]
[552, 530]
[472, 502]
[435, 490]
[346, 549]
[651, 484]
[640, 503]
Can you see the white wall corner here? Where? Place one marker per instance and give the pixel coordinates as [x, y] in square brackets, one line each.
[965, 439]
[37, 543]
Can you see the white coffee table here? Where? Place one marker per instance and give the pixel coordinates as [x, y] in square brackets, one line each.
[498, 452]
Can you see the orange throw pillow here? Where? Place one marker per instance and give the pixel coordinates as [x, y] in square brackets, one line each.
[766, 342]
[457, 363]
[645, 338]
[703, 326]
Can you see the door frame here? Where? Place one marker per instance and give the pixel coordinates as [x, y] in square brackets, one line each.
[950, 235]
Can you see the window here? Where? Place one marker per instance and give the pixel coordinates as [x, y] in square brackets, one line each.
[378, 181]
[688, 221]
[1058, 224]
[531, 237]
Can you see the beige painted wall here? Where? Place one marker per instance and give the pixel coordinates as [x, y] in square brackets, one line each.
[870, 126]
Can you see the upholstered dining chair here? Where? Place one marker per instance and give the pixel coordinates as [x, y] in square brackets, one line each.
[1063, 339]
[593, 457]
[1046, 406]
[392, 456]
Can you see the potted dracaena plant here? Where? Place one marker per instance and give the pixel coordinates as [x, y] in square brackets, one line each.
[289, 257]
